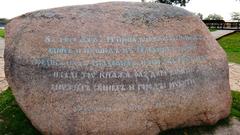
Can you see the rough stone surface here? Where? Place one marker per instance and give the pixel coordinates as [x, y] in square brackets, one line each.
[116, 68]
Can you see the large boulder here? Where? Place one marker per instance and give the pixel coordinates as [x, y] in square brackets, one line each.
[116, 68]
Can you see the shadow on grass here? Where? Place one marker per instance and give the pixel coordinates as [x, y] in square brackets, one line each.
[14, 122]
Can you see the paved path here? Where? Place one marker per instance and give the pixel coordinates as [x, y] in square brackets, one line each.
[3, 82]
[234, 75]
[234, 69]
[219, 33]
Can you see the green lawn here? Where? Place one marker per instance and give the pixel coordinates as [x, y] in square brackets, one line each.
[2, 33]
[212, 29]
[236, 104]
[231, 45]
[14, 122]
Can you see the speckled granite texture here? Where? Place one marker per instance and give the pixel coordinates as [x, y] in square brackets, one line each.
[116, 68]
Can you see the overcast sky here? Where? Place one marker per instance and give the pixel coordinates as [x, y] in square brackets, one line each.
[13, 8]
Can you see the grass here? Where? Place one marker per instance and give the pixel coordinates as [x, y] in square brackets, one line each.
[14, 122]
[2, 33]
[235, 111]
[212, 29]
[231, 45]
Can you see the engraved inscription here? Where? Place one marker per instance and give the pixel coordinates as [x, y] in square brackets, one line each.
[143, 68]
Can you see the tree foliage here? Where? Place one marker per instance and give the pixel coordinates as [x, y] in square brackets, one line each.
[3, 20]
[214, 17]
[177, 2]
[235, 16]
[200, 15]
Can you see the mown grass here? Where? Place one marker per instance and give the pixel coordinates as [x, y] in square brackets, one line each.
[212, 29]
[231, 45]
[14, 122]
[235, 111]
[2, 33]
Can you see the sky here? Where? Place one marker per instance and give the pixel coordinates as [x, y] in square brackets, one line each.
[13, 8]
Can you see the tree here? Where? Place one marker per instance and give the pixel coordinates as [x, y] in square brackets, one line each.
[3, 20]
[199, 15]
[177, 2]
[214, 17]
[235, 16]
